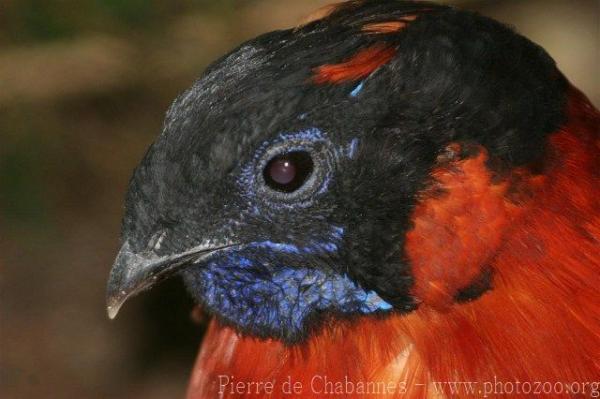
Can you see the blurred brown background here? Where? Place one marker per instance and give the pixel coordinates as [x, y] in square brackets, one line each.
[84, 85]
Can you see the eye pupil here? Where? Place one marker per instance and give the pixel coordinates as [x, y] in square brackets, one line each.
[282, 171]
[289, 171]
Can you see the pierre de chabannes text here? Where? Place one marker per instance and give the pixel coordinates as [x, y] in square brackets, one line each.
[324, 385]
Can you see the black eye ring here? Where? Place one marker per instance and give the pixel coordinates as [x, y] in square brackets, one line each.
[289, 171]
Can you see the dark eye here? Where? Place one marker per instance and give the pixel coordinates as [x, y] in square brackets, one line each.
[289, 171]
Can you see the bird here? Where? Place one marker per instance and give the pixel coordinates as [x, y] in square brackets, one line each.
[388, 198]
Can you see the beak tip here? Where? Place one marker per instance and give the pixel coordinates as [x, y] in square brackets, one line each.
[114, 302]
[112, 309]
[112, 312]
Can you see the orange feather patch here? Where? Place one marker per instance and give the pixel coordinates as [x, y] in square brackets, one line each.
[389, 26]
[361, 65]
[459, 231]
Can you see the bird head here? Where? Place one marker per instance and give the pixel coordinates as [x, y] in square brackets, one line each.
[285, 184]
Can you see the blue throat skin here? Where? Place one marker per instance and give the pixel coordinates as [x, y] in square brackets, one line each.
[265, 299]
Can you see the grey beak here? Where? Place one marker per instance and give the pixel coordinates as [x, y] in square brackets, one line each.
[133, 273]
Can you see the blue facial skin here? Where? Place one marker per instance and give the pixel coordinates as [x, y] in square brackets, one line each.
[270, 299]
[273, 289]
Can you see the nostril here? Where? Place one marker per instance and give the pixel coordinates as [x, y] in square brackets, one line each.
[155, 242]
